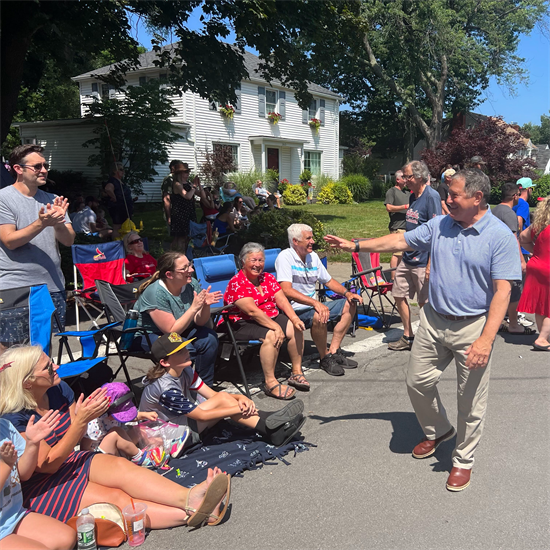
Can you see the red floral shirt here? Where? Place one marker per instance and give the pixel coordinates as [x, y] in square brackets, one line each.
[240, 287]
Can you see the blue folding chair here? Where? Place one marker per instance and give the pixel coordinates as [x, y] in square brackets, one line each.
[216, 272]
[270, 258]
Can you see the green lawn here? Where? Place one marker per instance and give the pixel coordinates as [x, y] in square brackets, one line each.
[368, 219]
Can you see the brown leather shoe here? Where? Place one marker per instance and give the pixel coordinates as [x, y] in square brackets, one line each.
[459, 479]
[427, 447]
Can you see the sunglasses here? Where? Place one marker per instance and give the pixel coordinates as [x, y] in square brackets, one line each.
[49, 366]
[36, 167]
[136, 241]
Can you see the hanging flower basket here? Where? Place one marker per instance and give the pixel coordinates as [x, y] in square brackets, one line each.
[274, 117]
[228, 111]
[315, 124]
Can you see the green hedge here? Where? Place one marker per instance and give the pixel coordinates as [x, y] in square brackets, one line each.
[542, 189]
[294, 195]
[359, 185]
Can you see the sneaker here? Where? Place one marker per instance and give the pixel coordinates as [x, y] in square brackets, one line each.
[344, 361]
[151, 458]
[177, 445]
[401, 345]
[330, 365]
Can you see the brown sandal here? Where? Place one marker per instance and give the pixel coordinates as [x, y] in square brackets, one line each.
[298, 381]
[283, 396]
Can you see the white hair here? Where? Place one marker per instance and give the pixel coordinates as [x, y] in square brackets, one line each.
[296, 230]
[250, 248]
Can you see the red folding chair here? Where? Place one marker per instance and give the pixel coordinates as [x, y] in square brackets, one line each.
[372, 280]
[103, 261]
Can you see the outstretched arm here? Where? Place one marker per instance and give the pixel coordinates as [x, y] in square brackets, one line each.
[389, 243]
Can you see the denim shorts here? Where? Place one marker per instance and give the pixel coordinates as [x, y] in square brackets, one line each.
[335, 306]
[14, 323]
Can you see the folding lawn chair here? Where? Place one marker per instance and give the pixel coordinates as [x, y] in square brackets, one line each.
[217, 272]
[103, 261]
[42, 314]
[112, 297]
[371, 279]
[270, 258]
[200, 241]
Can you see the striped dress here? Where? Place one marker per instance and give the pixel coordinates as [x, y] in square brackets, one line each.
[56, 495]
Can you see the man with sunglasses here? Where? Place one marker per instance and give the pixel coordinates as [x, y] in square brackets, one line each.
[32, 222]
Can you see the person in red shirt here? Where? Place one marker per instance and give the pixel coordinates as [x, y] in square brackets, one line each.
[138, 264]
[261, 311]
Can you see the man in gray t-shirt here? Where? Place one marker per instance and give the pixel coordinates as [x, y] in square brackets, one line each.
[32, 222]
[504, 212]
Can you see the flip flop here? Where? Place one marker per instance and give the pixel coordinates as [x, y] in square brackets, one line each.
[298, 381]
[220, 486]
[536, 347]
[224, 510]
[283, 396]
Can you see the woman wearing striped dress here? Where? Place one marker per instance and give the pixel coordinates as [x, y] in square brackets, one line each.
[66, 481]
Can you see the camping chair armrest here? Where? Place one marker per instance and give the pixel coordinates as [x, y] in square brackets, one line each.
[80, 291]
[366, 272]
[81, 333]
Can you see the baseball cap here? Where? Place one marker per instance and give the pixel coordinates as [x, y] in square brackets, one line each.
[168, 344]
[477, 160]
[122, 408]
[525, 183]
[449, 172]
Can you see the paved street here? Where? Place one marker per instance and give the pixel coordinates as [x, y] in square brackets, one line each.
[360, 487]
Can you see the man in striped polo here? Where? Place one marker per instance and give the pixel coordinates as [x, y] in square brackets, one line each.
[298, 271]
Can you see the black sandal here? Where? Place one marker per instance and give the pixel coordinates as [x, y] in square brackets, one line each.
[283, 396]
[298, 381]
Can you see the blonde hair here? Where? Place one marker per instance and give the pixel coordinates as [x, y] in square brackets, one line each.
[14, 397]
[541, 218]
[126, 240]
[155, 372]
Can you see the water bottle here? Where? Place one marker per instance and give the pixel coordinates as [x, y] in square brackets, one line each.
[85, 529]
[130, 322]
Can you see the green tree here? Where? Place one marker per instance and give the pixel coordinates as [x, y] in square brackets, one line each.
[135, 130]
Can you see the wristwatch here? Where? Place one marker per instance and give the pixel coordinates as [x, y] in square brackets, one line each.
[357, 245]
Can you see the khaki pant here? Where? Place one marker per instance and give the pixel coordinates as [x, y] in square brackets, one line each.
[437, 342]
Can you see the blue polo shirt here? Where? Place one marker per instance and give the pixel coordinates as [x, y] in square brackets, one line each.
[466, 261]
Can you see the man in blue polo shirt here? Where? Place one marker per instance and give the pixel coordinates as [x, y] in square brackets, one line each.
[474, 258]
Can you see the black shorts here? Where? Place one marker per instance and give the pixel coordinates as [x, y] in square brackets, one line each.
[250, 330]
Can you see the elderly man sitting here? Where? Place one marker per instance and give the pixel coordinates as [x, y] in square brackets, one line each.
[298, 270]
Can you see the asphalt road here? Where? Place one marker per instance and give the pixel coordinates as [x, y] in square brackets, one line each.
[361, 488]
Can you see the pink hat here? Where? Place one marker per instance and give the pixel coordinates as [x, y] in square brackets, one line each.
[122, 408]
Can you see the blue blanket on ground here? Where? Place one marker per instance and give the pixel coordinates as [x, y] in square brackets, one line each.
[231, 448]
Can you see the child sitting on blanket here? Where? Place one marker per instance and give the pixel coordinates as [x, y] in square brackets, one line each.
[107, 434]
[19, 527]
[168, 388]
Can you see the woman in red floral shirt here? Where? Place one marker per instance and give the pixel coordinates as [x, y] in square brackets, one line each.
[262, 312]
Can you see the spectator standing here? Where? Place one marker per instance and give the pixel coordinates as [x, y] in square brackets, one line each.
[397, 204]
[32, 223]
[298, 271]
[120, 204]
[536, 294]
[473, 249]
[477, 162]
[522, 208]
[166, 187]
[443, 189]
[182, 207]
[411, 276]
[505, 214]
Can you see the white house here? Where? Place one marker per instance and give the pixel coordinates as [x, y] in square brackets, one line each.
[290, 146]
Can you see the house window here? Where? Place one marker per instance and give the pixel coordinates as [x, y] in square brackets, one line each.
[107, 91]
[234, 151]
[313, 109]
[312, 162]
[29, 141]
[270, 101]
[142, 80]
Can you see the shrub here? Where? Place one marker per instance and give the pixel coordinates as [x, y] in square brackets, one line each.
[321, 181]
[359, 185]
[342, 193]
[245, 181]
[326, 195]
[305, 176]
[542, 189]
[283, 186]
[294, 194]
[354, 163]
[496, 194]
[380, 187]
[273, 226]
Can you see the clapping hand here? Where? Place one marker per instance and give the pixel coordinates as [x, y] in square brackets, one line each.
[51, 215]
[199, 300]
[36, 432]
[93, 407]
[8, 454]
[212, 297]
[61, 204]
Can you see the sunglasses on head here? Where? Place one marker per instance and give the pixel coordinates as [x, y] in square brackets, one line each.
[136, 241]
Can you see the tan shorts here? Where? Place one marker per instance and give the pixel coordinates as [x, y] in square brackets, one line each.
[410, 280]
[397, 254]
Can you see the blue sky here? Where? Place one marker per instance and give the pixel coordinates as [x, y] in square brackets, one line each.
[530, 101]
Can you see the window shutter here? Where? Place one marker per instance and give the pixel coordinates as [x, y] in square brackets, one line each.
[142, 80]
[322, 111]
[305, 116]
[282, 105]
[238, 94]
[261, 101]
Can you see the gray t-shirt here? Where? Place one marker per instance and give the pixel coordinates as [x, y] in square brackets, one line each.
[397, 197]
[505, 214]
[38, 261]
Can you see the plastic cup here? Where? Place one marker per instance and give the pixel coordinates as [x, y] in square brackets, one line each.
[134, 517]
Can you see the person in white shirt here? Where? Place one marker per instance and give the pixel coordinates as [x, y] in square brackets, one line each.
[85, 220]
